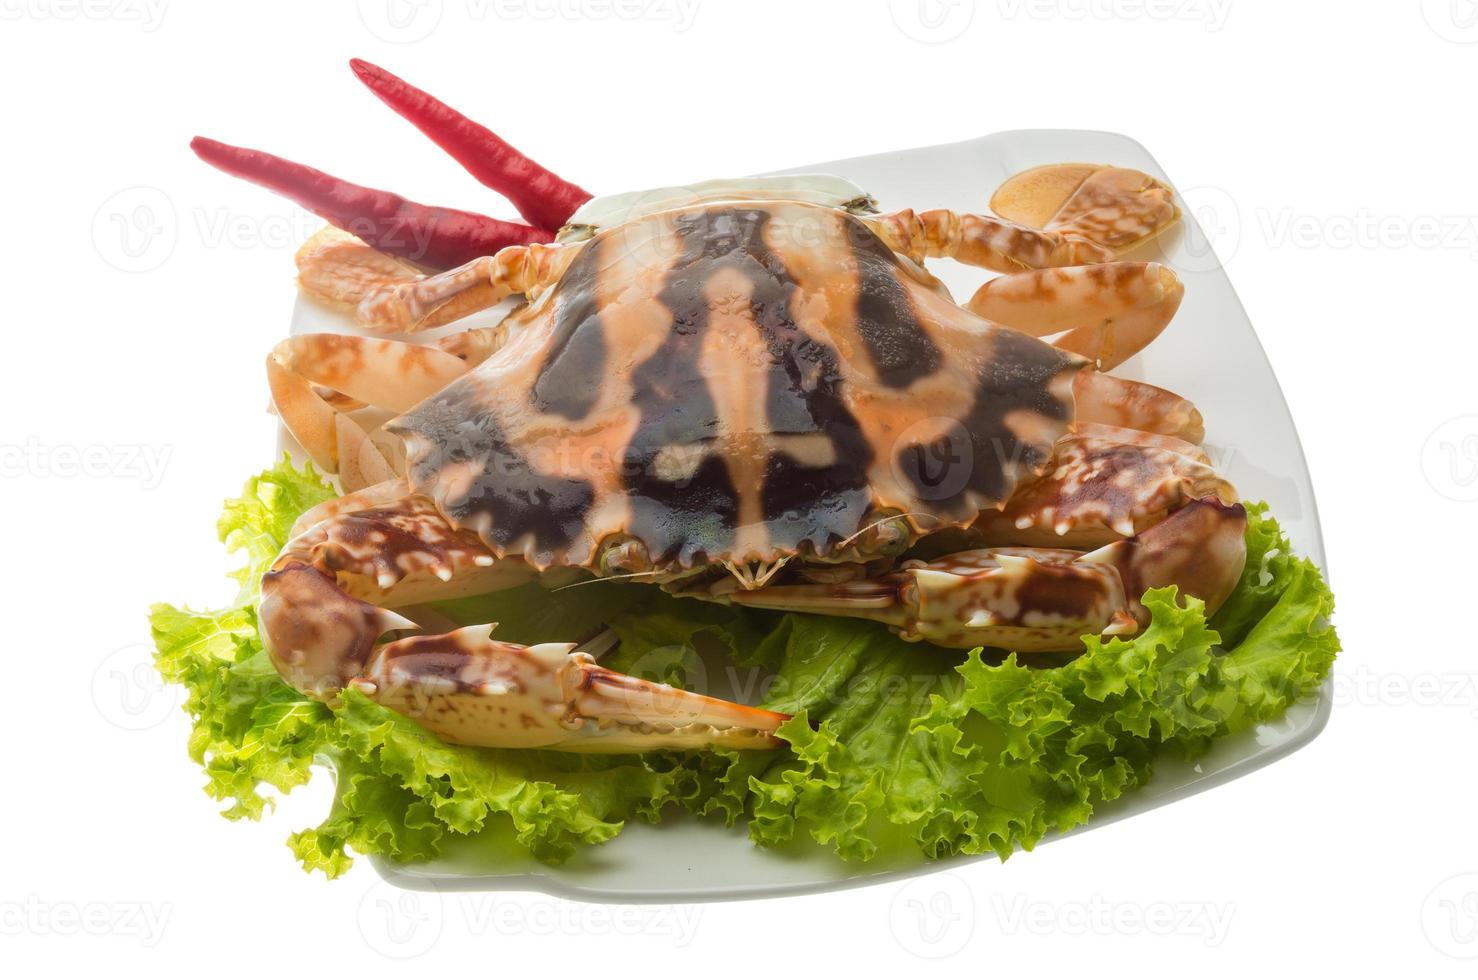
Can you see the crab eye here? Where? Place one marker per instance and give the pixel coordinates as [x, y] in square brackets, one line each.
[624, 556]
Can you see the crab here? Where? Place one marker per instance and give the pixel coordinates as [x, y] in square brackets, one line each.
[744, 392]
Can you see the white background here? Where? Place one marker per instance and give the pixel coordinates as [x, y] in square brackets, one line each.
[1327, 147]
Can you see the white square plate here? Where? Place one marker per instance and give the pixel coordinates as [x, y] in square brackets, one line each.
[1210, 354]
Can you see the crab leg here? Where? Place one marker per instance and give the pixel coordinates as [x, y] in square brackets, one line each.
[1107, 313]
[390, 374]
[383, 494]
[391, 297]
[982, 240]
[1096, 434]
[1038, 599]
[326, 607]
[1103, 399]
[1063, 215]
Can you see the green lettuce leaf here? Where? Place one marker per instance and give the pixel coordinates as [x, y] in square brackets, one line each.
[895, 748]
[1016, 752]
[257, 523]
[249, 728]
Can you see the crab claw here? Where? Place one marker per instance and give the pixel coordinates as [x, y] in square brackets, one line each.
[471, 689]
[1024, 599]
[1114, 206]
[1101, 489]
[1038, 599]
[1201, 549]
[323, 618]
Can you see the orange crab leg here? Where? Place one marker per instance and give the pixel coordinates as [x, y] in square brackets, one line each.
[391, 375]
[1058, 242]
[1091, 215]
[984, 241]
[1107, 400]
[391, 297]
[1107, 313]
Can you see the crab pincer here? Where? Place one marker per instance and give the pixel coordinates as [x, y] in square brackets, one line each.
[1038, 599]
[471, 689]
[326, 612]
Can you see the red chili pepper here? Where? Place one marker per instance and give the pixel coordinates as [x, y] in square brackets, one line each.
[543, 198]
[435, 237]
[439, 238]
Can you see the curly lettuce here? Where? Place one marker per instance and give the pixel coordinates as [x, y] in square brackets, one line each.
[894, 748]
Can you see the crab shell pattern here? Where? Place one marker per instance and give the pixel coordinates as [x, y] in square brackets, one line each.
[736, 383]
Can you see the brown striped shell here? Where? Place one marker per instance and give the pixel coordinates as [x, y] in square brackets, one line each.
[737, 382]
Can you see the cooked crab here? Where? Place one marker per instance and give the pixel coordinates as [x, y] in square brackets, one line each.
[752, 393]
